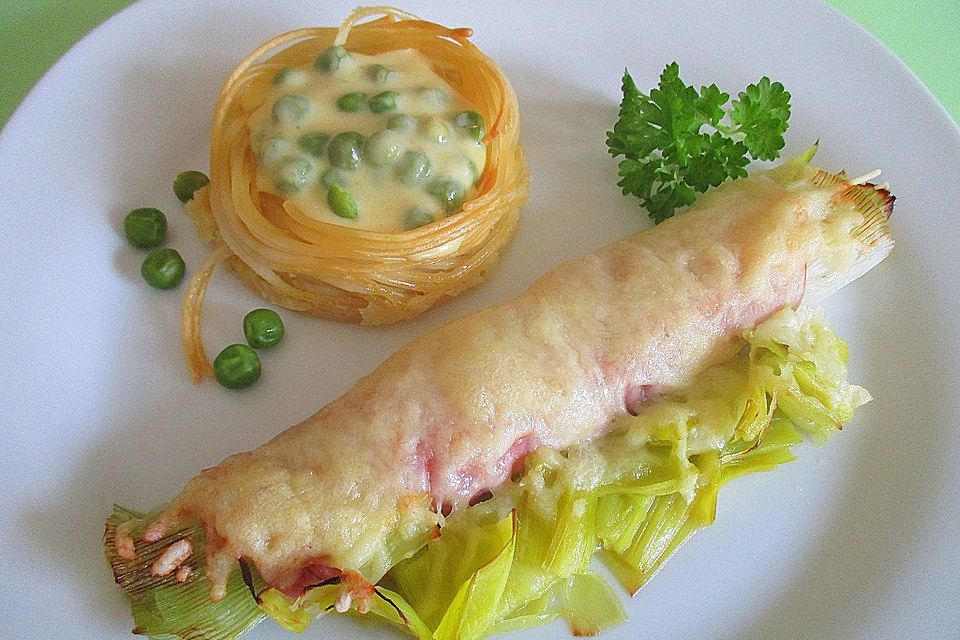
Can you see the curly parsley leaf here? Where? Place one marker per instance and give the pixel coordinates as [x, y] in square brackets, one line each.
[761, 113]
[668, 157]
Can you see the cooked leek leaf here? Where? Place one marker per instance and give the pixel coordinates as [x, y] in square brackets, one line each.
[393, 608]
[533, 614]
[589, 605]
[474, 609]
[573, 541]
[283, 611]
[431, 580]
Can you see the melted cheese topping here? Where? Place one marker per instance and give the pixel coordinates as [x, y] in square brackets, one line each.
[304, 100]
[446, 417]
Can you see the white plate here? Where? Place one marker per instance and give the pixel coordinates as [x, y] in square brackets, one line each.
[858, 539]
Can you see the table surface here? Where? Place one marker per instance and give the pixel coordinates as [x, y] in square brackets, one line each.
[924, 33]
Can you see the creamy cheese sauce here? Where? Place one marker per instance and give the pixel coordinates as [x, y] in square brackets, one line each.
[418, 159]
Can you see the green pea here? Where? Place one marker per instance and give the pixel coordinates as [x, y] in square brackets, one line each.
[145, 227]
[383, 148]
[333, 59]
[163, 268]
[187, 183]
[313, 143]
[471, 123]
[331, 177]
[384, 101]
[449, 192]
[237, 366]
[273, 149]
[290, 76]
[294, 174]
[434, 99]
[341, 202]
[346, 150]
[291, 109]
[417, 217]
[402, 123]
[436, 131]
[380, 74]
[413, 168]
[352, 102]
[263, 328]
[464, 170]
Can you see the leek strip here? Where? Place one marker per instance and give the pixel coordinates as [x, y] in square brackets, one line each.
[473, 611]
[589, 605]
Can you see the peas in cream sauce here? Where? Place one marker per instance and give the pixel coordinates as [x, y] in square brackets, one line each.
[376, 142]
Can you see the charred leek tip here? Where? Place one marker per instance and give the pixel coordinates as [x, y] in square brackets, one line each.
[855, 224]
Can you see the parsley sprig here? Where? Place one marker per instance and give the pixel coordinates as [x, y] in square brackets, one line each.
[668, 158]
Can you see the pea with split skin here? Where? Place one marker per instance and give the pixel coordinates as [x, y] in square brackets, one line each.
[474, 171]
[471, 123]
[381, 74]
[436, 131]
[313, 143]
[463, 169]
[333, 59]
[272, 149]
[352, 102]
[331, 177]
[294, 174]
[187, 183]
[384, 102]
[145, 227]
[433, 99]
[290, 76]
[402, 123]
[341, 202]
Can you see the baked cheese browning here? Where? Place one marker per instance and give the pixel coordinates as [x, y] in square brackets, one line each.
[446, 419]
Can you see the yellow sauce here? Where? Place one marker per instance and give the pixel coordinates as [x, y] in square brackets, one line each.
[383, 202]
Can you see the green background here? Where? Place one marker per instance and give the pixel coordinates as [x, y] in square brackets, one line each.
[924, 33]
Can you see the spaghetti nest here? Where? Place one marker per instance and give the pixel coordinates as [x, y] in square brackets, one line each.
[338, 272]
